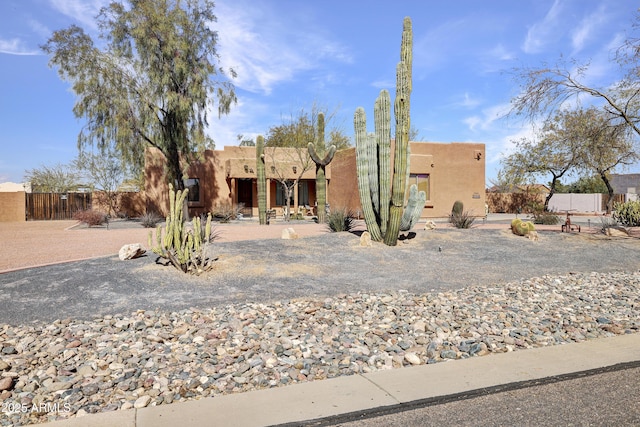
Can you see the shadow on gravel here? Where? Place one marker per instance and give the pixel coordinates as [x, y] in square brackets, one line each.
[334, 263]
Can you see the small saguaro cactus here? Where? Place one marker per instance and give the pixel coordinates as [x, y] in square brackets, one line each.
[321, 157]
[382, 195]
[183, 246]
[262, 181]
[456, 210]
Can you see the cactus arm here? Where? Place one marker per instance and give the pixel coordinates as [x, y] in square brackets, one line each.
[414, 208]
[400, 157]
[262, 181]
[363, 170]
[324, 161]
[382, 111]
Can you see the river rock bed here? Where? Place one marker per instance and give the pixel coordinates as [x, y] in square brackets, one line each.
[72, 368]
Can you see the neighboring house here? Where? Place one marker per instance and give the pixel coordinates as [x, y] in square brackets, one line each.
[445, 171]
[12, 201]
[625, 183]
[9, 187]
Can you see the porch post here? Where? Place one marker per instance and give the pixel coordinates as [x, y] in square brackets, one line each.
[268, 193]
[234, 191]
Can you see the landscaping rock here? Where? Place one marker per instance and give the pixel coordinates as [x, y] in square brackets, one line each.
[289, 233]
[131, 251]
[365, 239]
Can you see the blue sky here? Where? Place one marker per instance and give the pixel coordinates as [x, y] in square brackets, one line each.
[291, 53]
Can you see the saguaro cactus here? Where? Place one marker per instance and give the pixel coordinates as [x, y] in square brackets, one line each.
[262, 181]
[382, 195]
[316, 152]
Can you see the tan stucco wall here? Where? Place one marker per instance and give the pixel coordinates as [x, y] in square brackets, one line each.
[12, 206]
[219, 172]
[456, 172]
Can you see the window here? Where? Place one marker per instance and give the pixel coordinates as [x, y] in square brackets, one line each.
[193, 184]
[422, 181]
[303, 193]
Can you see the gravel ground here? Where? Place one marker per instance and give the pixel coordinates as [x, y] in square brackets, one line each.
[316, 266]
[105, 334]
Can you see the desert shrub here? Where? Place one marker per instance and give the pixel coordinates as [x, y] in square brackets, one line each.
[150, 219]
[606, 223]
[627, 213]
[462, 219]
[225, 212]
[340, 219]
[545, 218]
[91, 217]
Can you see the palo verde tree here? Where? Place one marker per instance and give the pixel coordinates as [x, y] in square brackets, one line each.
[59, 178]
[546, 89]
[103, 172]
[606, 144]
[295, 135]
[553, 151]
[148, 82]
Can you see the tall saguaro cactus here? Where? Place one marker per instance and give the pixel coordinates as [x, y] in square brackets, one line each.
[321, 157]
[382, 195]
[262, 181]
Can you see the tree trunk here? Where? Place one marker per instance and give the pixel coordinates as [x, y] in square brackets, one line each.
[552, 191]
[603, 175]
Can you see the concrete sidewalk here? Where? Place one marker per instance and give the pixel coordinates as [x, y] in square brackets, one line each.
[382, 389]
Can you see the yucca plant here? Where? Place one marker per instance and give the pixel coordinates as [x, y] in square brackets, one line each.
[340, 219]
[462, 219]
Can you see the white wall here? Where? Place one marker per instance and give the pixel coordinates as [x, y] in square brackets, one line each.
[576, 202]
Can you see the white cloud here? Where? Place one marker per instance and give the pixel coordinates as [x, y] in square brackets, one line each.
[487, 117]
[265, 51]
[587, 27]
[83, 11]
[543, 32]
[39, 28]
[501, 53]
[16, 47]
[466, 101]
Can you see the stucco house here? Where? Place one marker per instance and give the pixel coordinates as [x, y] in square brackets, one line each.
[445, 171]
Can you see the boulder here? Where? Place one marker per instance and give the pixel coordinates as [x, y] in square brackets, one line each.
[532, 235]
[365, 239]
[430, 225]
[289, 233]
[131, 251]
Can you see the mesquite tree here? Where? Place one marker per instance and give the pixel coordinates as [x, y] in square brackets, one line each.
[149, 82]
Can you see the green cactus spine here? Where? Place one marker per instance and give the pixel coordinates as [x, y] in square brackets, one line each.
[262, 181]
[321, 157]
[412, 212]
[382, 195]
[521, 228]
[182, 246]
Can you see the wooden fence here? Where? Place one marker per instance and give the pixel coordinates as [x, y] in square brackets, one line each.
[55, 205]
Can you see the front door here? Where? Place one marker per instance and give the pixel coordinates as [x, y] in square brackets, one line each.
[245, 195]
